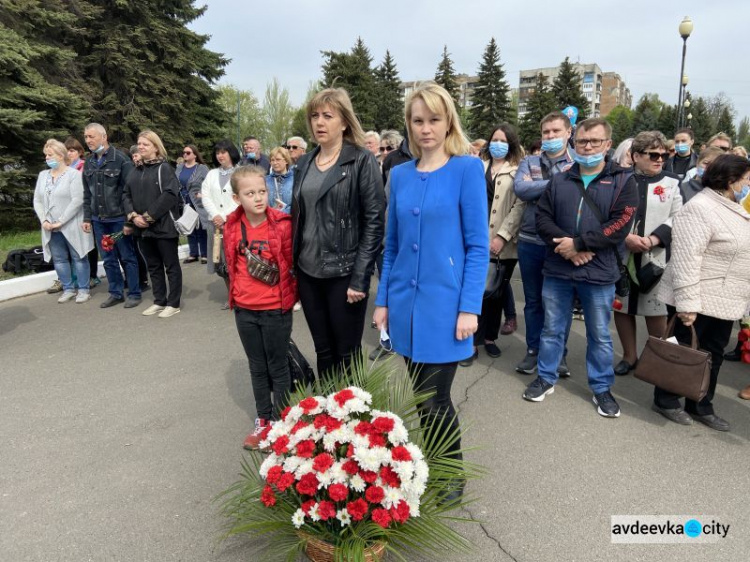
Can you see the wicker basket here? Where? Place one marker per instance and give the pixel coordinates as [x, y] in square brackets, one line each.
[320, 551]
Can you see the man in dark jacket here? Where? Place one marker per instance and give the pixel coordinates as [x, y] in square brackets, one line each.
[252, 155]
[104, 175]
[684, 159]
[581, 259]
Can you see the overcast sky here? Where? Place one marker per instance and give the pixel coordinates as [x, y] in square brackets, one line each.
[637, 39]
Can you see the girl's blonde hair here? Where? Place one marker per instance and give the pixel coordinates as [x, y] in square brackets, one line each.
[58, 148]
[338, 100]
[154, 139]
[246, 172]
[439, 101]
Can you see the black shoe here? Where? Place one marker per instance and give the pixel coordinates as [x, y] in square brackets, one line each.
[562, 369]
[623, 367]
[537, 390]
[132, 302]
[379, 352]
[492, 350]
[145, 287]
[735, 355]
[111, 301]
[190, 259]
[677, 415]
[713, 421]
[528, 365]
[470, 361]
[606, 404]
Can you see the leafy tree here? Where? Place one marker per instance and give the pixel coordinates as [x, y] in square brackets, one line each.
[743, 132]
[353, 72]
[389, 105]
[567, 89]
[701, 121]
[491, 103]
[278, 113]
[646, 114]
[621, 120]
[725, 124]
[446, 77]
[299, 122]
[540, 102]
[234, 102]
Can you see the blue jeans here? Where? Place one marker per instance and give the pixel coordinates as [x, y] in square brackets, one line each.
[531, 261]
[125, 251]
[558, 295]
[62, 256]
[198, 242]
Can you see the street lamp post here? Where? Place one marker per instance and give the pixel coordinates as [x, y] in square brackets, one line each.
[686, 28]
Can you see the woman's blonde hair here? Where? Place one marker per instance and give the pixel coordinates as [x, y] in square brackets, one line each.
[246, 172]
[283, 152]
[58, 148]
[338, 100]
[154, 139]
[439, 101]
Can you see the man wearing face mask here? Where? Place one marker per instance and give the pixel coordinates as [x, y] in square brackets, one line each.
[582, 240]
[104, 176]
[684, 158]
[253, 155]
[531, 181]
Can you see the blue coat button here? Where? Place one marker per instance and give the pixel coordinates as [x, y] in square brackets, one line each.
[415, 247]
[415, 210]
[413, 282]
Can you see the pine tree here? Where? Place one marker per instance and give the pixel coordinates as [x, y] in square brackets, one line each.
[490, 103]
[743, 132]
[567, 90]
[621, 120]
[667, 122]
[353, 72]
[538, 105]
[725, 124]
[646, 114]
[446, 77]
[389, 112]
[701, 121]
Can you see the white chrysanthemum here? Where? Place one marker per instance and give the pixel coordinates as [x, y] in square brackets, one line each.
[319, 408]
[413, 508]
[404, 469]
[298, 519]
[271, 460]
[399, 435]
[360, 442]
[372, 458]
[392, 497]
[421, 471]
[413, 490]
[414, 451]
[325, 478]
[329, 443]
[304, 433]
[295, 413]
[343, 516]
[344, 434]
[357, 404]
[292, 463]
[305, 467]
[314, 515]
[357, 484]
[338, 474]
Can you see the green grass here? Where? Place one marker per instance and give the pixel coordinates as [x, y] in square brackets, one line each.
[16, 240]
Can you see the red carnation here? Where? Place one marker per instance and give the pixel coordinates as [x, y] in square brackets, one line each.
[368, 476]
[308, 484]
[299, 425]
[338, 492]
[285, 412]
[400, 453]
[320, 421]
[286, 480]
[376, 440]
[617, 305]
[350, 467]
[343, 396]
[265, 432]
[273, 474]
[381, 517]
[305, 449]
[350, 451]
[322, 462]
[326, 510]
[363, 428]
[400, 513]
[388, 476]
[309, 404]
[268, 497]
[280, 446]
[744, 334]
[307, 506]
[746, 357]
[374, 494]
[383, 424]
[357, 509]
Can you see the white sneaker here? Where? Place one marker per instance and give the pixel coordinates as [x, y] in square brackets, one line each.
[66, 296]
[153, 309]
[83, 297]
[169, 311]
[297, 306]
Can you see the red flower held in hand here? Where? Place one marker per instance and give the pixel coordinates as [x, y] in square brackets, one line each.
[109, 240]
[281, 445]
[309, 404]
[274, 473]
[383, 424]
[617, 305]
[308, 484]
[343, 397]
[357, 509]
[400, 513]
[286, 480]
[326, 510]
[381, 517]
[268, 497]
[338, 492]
[374, 494]
[400, 453]
[305, 449]
[322, 462]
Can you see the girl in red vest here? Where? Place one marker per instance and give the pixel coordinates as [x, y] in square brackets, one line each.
[262, 291]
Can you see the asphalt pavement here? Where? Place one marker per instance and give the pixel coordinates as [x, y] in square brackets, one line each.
[118, 430]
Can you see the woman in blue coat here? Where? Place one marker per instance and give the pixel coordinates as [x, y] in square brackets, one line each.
[435, 261]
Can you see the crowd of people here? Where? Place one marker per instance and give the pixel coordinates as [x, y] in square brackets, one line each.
[441, 218]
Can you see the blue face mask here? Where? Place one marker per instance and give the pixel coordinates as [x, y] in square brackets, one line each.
[553, 145]
[498, 149]
[251, 155]
[699, 171]
[53, 164]
[99, 149]
[590, 160]
[682, 148]
[740, 195]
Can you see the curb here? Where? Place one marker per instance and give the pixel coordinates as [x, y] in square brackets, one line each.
[40, 282]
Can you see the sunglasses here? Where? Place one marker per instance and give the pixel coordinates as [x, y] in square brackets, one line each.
[187, 153]
[724, 148]
[656, 156]
[386, 148]
[292, 147]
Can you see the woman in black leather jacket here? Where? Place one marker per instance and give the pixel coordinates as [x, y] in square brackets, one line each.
[338, 216]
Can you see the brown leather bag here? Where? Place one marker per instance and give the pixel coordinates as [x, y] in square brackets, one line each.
[675, 368]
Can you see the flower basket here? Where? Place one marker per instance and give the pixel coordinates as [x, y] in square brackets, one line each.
[320, 551]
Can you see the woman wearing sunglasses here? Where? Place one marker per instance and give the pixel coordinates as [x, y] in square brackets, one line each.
[191, 173]
[647, 246]
[389, 141]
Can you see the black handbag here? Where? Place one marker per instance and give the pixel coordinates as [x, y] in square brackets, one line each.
[493, 286]
[648, 276]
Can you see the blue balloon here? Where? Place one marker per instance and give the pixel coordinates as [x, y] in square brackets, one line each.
[571, 113]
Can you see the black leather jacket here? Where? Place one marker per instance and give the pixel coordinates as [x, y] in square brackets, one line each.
[103, 185]
[350, 213]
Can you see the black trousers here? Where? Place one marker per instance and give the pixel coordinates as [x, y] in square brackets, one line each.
[438, 409]
[713, 336]
[265, 336]
[161, 256]
[335, 325]
[93, 256]
[492, 309]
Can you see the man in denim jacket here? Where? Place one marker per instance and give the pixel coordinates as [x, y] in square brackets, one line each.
[104, 175]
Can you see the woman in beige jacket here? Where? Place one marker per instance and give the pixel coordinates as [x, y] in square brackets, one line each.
[503, 153]
[706, 282]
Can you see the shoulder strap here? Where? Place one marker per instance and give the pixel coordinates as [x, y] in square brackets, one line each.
[243, 241]
[597, 213]
[158, 175]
